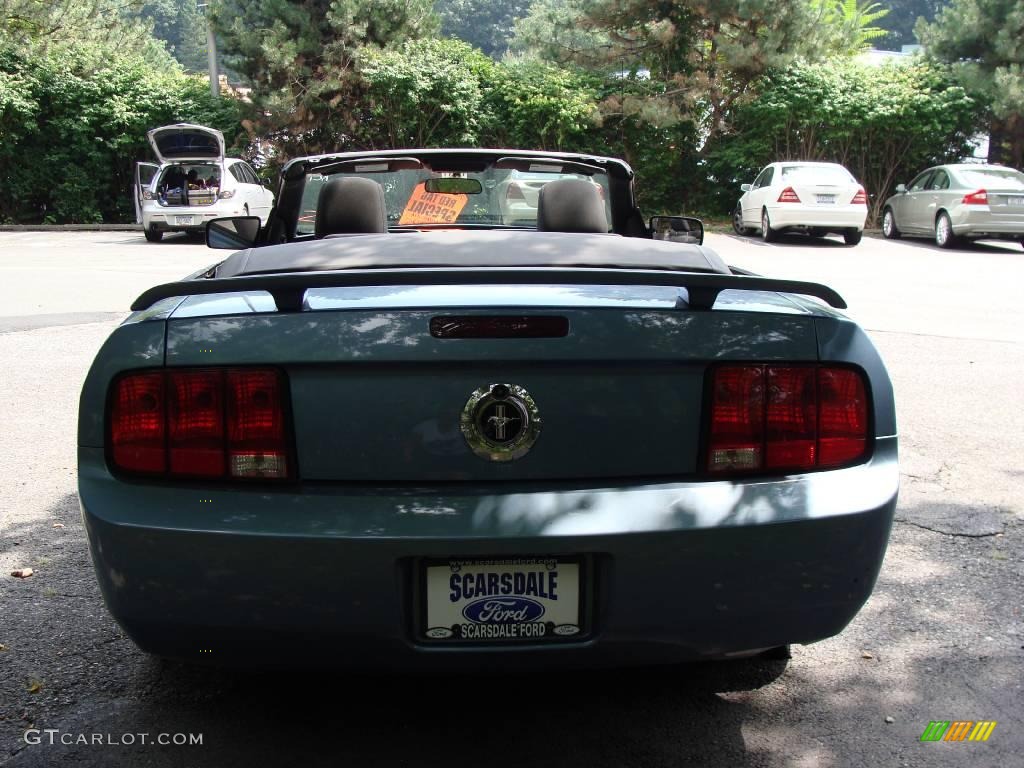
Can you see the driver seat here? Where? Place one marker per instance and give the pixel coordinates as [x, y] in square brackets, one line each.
[571, 205]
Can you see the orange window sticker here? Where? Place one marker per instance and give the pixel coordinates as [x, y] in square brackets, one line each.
[432, 208]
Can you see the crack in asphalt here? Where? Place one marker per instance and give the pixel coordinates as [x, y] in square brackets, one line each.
[949, 533]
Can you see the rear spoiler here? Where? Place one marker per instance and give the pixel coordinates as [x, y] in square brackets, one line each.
[289, 288]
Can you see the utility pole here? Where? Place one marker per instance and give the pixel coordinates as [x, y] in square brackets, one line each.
[211, 52]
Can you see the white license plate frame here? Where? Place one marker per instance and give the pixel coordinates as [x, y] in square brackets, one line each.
[474, 619]
[826, 199]
[1015, 201]
[184, 221]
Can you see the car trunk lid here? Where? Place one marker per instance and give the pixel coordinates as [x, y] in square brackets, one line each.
[376, 396]
[185, 141]
[1006, 204]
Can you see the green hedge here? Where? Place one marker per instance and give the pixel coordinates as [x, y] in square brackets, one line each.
[73, 122]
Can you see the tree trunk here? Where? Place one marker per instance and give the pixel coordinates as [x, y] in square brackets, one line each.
[996, 133]
[1006, 141]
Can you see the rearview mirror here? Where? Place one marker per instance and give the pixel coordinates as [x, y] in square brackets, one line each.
[233, 232]
[677, 229]
[452, 185]
[901, 188]
[746, 187]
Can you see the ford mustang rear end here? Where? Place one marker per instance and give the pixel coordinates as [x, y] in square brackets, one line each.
[486, 446]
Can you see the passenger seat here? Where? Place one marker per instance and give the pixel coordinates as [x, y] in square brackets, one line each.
[351, 206]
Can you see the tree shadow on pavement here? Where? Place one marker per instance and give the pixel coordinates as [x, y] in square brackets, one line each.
[94, 681]
[919, 651]
[649, 717]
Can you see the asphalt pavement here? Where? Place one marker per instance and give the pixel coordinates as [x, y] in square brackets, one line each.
[942, 638]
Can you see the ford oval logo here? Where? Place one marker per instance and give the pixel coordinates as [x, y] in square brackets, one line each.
[503, 610]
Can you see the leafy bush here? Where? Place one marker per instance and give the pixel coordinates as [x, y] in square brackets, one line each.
[426, 93]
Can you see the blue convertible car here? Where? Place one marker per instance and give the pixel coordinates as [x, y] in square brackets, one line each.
[469, 407]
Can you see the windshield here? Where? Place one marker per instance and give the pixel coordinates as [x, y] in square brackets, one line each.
[816, 174]
[1002, 178]
[506, 197]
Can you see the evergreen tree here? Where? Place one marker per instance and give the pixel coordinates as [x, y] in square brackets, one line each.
[706, 53]
[301, 58]
[182, 26]
[40, 26]
[903, 15]
[983, 41]
[484, 24]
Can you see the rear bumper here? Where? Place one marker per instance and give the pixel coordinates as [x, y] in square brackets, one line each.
[329, 575]
[978, 221]
[165, 219]
[838, 217]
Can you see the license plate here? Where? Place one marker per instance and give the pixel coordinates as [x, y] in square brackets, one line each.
[1015, 201]
[826, 198]
[184, 219]
[502, 600]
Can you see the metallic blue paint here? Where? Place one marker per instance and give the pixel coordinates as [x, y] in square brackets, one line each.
[326, 570]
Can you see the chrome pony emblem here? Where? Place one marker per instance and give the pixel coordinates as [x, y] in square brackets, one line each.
[500, 422]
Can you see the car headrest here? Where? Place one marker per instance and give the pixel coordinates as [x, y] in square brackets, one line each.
[351, 206]
[571, 205]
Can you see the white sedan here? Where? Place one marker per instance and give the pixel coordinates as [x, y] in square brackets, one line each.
[194, 183]
[816, 198]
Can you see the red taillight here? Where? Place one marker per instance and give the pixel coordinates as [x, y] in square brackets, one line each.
[137, 418]
[861, 198]
[979, 197]
[789, 195]
[513, 192]
[786, 417]
[737, 419]
[202, 423]
[790, 416]
[842, 416]
[257, 445]
[195, 422]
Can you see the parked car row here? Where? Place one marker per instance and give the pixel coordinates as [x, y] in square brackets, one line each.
[196, 182]
[950, 203]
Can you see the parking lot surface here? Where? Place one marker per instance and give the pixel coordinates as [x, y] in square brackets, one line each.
[942, 638]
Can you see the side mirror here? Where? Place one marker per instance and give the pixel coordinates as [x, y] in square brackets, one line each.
[746, 187]
[677, 229]
[233, 233]
[901, 188]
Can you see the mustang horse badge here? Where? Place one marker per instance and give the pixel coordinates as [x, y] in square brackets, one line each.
[500, 422]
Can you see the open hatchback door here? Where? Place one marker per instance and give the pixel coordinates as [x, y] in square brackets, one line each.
[184, 141]
[144, 173]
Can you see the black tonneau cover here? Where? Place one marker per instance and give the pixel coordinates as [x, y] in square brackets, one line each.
[462, 249]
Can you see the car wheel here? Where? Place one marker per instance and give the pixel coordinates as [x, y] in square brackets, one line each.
[889, 228]
[768, 234]
[153, 235]
[737, 222]
[944, 237]
[853, 236]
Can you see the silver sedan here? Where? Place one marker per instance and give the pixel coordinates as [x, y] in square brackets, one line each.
[954, 203]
